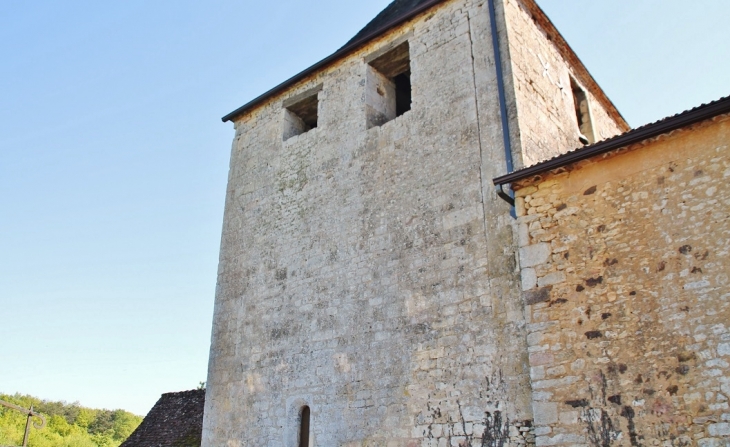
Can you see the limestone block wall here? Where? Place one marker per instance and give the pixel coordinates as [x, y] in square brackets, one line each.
[540, 74]
[369, 273]
[625, 264]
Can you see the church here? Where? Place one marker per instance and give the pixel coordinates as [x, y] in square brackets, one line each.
[445, 234]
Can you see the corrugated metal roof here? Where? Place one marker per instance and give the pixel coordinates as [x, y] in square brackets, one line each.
[652, 130]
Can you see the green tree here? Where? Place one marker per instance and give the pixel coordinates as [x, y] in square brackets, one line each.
[85, 417]
[124, 424]
[69, 425]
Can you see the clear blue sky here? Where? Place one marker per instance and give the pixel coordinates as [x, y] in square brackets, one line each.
[113, 161]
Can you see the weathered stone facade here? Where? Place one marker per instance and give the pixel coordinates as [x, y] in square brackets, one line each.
[542, 68]
[625, 262]
[367, 267]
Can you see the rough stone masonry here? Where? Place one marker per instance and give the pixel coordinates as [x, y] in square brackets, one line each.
[367, 271]
[625, 264]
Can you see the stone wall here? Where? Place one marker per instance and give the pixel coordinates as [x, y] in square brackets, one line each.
[369, 272]
[357, 275]
[541, 75]
[625, 264]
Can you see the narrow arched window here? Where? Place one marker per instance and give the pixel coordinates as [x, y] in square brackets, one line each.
[304, 428]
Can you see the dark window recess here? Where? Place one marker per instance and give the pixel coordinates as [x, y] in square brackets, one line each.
[304, 428]
[582, 113]
[402, 93]
[300, 115]
[388, 86]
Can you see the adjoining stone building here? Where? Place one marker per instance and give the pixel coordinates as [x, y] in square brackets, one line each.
[625, 261]
[368, 292]
[176, 420]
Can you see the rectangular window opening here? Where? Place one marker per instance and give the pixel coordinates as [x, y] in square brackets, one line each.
[388, 85]
[582, 113]
[301, 113]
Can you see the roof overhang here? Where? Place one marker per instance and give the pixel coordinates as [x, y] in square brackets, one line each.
[684, 119]
[339, 54]
[532, 7]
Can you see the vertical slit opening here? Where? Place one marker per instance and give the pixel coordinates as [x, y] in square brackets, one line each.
[582, 113]
[304, 427]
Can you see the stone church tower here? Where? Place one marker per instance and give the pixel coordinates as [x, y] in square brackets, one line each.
[367, 289]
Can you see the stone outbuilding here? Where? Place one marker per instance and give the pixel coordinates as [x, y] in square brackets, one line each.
[624, 251]
[176, 420]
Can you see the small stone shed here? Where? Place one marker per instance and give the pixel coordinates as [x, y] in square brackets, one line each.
[624, 252]
[176, 420]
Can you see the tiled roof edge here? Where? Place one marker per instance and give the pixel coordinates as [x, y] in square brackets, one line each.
[666, 125]
[174, 415]
[175, 393]
[347, 49]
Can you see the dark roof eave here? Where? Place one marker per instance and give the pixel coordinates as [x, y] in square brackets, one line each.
[701, 113]
[347, 49]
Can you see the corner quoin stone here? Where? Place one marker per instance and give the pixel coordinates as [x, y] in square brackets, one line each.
[533, 255]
